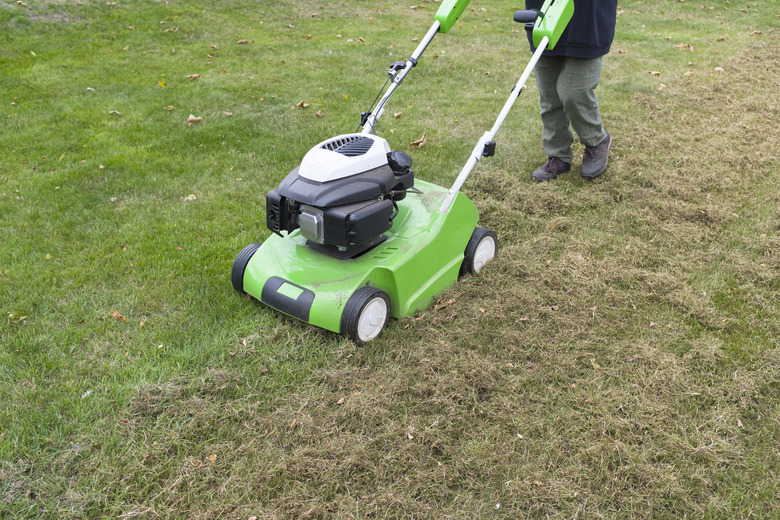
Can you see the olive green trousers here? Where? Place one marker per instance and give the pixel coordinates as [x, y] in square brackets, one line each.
[566, 99]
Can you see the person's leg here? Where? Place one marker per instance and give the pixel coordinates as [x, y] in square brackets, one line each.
[577, 80]
[556, 136]
[576, 84]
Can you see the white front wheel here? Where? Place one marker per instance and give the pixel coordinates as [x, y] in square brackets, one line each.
[365, 315]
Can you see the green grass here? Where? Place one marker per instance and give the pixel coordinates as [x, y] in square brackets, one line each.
[619, 359]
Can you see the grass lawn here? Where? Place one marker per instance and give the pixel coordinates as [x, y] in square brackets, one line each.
[619, 359]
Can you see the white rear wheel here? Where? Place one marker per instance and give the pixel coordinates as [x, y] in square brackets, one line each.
[481, 249]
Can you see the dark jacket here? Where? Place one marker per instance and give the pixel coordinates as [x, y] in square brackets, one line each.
[590, 31]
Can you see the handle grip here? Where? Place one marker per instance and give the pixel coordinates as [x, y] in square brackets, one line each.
[527, 16]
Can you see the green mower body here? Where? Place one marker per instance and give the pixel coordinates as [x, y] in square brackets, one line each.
[421, 257]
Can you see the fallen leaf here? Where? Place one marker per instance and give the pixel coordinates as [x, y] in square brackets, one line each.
[161, 83]
[397, 114]
[661, 87]
[685, 46]
[169, 107]
[654, 73]
[118, 316]
[442, 305]
[16, 317]
[420, 142]
[192, 120]
[340, 401]
[595, 365]
[242, 42]
[212, 457]
[739, 423]
[115, 112]
[194, 76]
[302, 104]
[190, 197]
[318, 113]
[538, 483]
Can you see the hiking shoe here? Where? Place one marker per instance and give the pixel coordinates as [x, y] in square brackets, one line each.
[594, 161]
[550, 170]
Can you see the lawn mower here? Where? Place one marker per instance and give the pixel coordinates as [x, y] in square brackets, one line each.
[356, 238]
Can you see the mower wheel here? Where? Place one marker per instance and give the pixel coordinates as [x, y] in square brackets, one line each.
[365, 315]
[239, 266]
[482, 247]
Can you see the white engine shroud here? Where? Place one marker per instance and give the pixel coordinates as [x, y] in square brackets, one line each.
[322, 164]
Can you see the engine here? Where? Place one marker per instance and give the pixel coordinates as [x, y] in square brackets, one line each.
[343, 195]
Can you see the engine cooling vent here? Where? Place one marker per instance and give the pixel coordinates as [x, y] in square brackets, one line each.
[352, 146]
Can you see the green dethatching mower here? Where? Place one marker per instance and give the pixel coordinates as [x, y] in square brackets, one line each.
[357, 239]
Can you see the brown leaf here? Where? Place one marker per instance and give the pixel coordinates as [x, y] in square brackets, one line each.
[242, 42]
[192, 120]
[442, 305]
[118, 316]
[318, 113]
[397, 114]
[302, 104]
[194, 76]
[420, 142]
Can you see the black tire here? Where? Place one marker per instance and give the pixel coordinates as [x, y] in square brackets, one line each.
[479, 251]
[365, 315]
[239, 266]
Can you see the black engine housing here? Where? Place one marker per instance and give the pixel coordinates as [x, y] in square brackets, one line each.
[343, 213]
